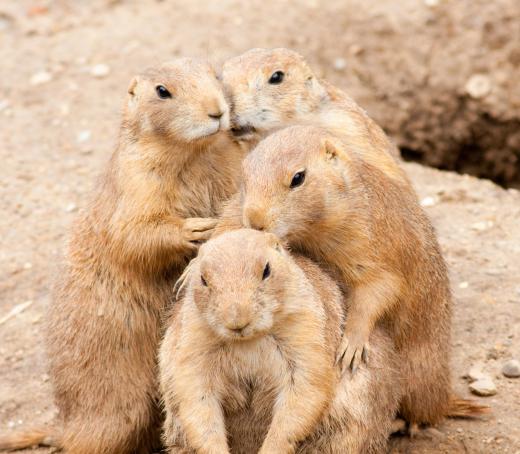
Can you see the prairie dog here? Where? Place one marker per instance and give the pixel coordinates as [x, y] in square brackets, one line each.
[270, 89]
[247, 362]
[174, 165]
[315, 190]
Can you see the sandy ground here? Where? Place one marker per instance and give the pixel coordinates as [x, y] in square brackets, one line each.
[59, 123]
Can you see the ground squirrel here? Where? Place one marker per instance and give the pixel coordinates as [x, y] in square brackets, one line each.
[247, 362]
[315, 190]
[174, 165]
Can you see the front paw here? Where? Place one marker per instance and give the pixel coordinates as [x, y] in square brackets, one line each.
[352, 351]
[198, 230]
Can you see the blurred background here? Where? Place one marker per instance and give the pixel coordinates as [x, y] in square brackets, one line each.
[442, 77]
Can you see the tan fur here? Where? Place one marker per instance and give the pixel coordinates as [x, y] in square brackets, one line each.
[247, 363]
[39, 436]
[261, 108]
[164, 186]
[369, 227]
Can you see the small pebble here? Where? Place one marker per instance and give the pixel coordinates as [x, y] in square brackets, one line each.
[4, 104]
[431, 3]
[511, 369]
[483, 387]
[478, 86]
[482, 225]
[70, 207]
[428, 202]
[340, 64]
[83, 136]
[464, 284]
[40, 78]
[100, 70]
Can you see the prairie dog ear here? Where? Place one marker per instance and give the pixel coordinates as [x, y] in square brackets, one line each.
[274, 242]
[332, 150]
[317, 89]
[133, 85]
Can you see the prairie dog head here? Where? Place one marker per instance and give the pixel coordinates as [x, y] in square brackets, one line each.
[269, 89]
[296, 185]
[180, 101]
[240, 283]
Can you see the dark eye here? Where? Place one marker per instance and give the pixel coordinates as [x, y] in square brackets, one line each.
[162, 92]
[267, 271]
[204, 283]
[276, 78]
[298, 179]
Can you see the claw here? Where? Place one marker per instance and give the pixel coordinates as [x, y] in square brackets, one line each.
[364, 355]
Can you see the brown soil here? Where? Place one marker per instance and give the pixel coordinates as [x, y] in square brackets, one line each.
[57, 135]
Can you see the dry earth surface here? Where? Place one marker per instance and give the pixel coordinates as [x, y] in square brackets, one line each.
[59, 118]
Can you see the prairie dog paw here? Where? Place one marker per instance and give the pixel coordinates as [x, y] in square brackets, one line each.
[353, 350]
[198, 230]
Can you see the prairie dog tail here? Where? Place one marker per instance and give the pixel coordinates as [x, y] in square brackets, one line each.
[465, 408]
[38, 436]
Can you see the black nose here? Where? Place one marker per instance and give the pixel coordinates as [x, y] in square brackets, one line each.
[216, 116]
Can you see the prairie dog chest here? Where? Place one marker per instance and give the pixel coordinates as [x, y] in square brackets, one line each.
[252, 368]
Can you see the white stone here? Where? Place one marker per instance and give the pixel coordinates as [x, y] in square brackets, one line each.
[483, 387]
[478, 86]
[428, 202]
[83, 136]
[100, 70]
[481, 226]
[464, 284]
[511, 369]
[40, 78]
[70, 207]
[340, 64]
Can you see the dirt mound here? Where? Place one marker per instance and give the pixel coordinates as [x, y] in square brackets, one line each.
[442, 77]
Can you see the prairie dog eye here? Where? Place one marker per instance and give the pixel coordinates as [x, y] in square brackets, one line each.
[298, 179]
[162, 92]
[203, 281]
[267, 271]
[276, 78]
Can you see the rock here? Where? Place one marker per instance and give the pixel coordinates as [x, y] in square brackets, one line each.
[340, 64]
[40, 78]
[481, 226]
[464, 284]
[100, 70]
[83, 136]
[511, 369]
[483, 387]
[71, 207]
[428, 202]
[478, 86]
